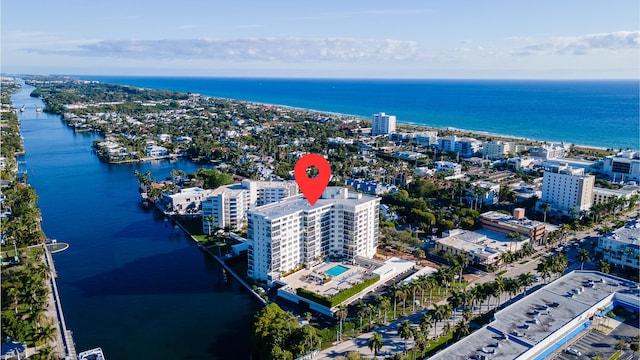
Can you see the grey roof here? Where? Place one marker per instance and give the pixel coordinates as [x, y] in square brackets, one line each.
[525, 323]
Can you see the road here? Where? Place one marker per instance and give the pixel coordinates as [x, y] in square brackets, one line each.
[393, 344]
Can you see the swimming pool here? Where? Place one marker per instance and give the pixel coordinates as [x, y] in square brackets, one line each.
[336, 270]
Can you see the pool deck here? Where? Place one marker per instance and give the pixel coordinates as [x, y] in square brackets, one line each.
[311, 279]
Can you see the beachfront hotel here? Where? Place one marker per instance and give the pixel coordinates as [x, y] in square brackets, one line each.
[291, 233]
[382, 123]
[566, 189]
[226, 206]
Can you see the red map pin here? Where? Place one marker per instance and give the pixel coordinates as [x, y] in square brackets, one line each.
[312, 188]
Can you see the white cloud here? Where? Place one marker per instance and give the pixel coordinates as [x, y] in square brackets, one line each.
[581, 45]
[251, 49]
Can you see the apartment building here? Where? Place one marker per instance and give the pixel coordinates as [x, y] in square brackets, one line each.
[622, 246]
[495, 150]
[382, 123]
[227, 205]
[286, 235]
[566, 188]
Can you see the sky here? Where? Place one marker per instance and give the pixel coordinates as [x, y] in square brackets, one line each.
[474, 39]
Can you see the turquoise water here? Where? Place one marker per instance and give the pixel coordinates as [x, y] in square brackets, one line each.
[336, 270]
[595, 113]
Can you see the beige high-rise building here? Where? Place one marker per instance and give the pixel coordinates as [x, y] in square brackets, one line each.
[566, 188]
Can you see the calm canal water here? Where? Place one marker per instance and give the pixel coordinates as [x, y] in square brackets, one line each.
[130, 282]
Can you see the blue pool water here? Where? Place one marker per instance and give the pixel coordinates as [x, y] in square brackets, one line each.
[336, 270]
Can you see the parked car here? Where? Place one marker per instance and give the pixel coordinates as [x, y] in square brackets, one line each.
[573, 351]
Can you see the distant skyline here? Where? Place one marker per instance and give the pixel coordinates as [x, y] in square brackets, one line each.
[490, 39]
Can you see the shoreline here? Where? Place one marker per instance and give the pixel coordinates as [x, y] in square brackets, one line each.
[401, 124]
[416, 127]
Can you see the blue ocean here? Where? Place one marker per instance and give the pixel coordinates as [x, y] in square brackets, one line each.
[594, 113]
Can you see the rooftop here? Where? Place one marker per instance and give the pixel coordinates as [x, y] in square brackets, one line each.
[525, 323]
[498, 216]
[629, 233]
[297, 203]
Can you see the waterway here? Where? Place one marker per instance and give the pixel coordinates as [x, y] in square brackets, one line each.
[130, 282]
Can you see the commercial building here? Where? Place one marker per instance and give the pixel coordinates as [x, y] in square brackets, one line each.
[622, 246]
[483, 247]
[506, 224]
[382, 123]
[544, 321]
[602, 195]
[622, 167]
[291, 233]
[567, 189]
[226, 206]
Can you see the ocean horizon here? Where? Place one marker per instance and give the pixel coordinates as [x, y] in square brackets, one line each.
[593, 113]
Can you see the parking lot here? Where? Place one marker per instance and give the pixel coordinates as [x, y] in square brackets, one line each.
[596, 343]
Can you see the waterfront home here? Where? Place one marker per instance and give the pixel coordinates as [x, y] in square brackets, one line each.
[187, 201]
[156, 151]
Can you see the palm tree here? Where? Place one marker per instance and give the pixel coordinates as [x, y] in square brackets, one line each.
[209, 221]
[46, 334]
[497, 289]
[455, 300]
[405, 290]
[462, 328]
[545, 207]
[582, 256]
[404, 331]
[426, 323]
[421, 339]
[375, 343]
[463, 260]
[370, 311]
[361, 312]
[307, 316]
[604, 267]
[341, 314]
[384, 303]
[447, 330]
[430, 283]
[526, 280]
[46, 352]
[14, 294]
[514, 237]
[396, 290]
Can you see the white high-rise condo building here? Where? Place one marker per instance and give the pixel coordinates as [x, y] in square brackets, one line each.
[291, 233]
[566, 188]
[226, 206]
[382, 123]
